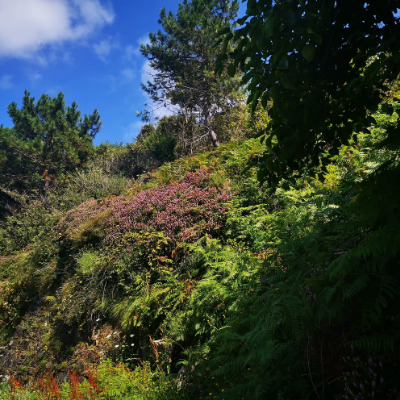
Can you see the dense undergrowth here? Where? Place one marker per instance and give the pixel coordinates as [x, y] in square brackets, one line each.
[197, 281]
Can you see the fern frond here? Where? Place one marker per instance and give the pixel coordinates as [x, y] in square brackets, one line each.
[356, 287]
[378, 343]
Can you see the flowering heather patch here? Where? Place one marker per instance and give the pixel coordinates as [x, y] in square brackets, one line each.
[184, 211]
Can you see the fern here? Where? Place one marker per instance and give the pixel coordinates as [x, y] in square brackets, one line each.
[377, 343]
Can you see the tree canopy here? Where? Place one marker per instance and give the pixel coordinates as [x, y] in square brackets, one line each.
[183, 56]
[324, 65]
[48, 139]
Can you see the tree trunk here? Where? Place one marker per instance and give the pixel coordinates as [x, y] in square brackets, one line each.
[211, 132]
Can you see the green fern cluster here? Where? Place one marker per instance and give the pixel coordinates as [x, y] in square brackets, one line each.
[324, 323]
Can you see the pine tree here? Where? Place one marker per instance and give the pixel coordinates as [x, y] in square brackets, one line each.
[184, 55]
[48, 139]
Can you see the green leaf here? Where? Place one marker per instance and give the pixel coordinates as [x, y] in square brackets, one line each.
[264, 99]
[308, 52]
[224, 31]
[221, 58]
[251, 6]
[246, 77]
[268, 28]
[289, 17]
[287, 82]
[283, 63]
[231, 69]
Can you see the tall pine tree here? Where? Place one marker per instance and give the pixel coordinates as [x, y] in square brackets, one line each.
[184, 55]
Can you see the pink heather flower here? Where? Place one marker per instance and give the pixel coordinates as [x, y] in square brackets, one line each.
[184, 210]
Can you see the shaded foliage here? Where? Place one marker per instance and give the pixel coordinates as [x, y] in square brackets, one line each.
[324, 66]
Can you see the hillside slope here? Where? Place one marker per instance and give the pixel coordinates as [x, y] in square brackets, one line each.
[206, 284]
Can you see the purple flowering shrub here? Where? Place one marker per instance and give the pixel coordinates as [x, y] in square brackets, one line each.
[183, 211]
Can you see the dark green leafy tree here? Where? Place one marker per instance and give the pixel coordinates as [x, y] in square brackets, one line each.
[184, 56]
[324, 65]
[152, 148]
[48, 140]
[330, 69]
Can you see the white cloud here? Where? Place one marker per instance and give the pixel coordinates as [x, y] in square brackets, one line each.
[132, 130]
[162, 110]
[147, 72]
[134, 51]
[129, 74]
[6, 82]
[157, 110]
[93, 13]
[104, 48]
[34, 77]
[131, 52]
[123, 78]
[26, 26]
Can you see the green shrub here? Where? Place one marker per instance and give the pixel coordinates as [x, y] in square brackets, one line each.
[88, 183]
[23, 227]
[108, 381]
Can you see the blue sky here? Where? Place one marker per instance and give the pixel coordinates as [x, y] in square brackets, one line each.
[87, 49]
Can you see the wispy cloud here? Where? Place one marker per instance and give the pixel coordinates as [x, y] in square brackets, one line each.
[157, 110]
[92, 15]
[129, 74]
[6, 82]
[148, 72]
[104, 48]
[132, 52]
[126, 78]
[26, 27]
[34, 77]
[132, 130]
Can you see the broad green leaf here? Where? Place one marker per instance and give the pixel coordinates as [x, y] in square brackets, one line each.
[231, 69]
[290, 17]
[308, 52]
[283, 63]
[268, 28]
